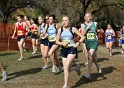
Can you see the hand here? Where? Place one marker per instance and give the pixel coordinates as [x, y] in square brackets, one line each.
[64, 44]
[12, 37]
[45, 35]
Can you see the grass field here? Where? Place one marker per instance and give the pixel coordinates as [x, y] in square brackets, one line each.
[28, 73]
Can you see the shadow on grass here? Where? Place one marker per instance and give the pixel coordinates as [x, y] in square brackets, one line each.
[5, 54]
[94, 77]
[80, 51]
[102, 59]
[116, 53]
[24, 72]
[33, 57]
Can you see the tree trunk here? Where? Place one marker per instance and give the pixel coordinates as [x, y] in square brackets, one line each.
[5, 18]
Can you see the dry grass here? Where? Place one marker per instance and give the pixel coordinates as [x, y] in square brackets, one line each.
[28, 73]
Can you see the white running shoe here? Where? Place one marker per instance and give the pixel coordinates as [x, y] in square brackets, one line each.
[86, 76]
[110, 54]
[4, 76]
[20, 59]
[86, 63]
[65, 86]
[99, 69]
[45, 67]
[54, 69]
[34, 52]
[122, 51]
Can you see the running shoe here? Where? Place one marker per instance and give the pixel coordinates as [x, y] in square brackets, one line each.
[78, 70]
[65, 86]
[54, 69]
[4, 76]
[86, 63]
[86, 76]
[20, 58]
[99, 69]
[110, 54]
[60, 70]
[122, 51]
[34, 52]
[45, 67]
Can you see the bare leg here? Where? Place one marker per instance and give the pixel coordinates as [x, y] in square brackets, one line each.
[66, 63]
[20, 45]
[85, 51]
[110, 47]
[43, 51]
[33, 44]
[90, 56]
[1, 66]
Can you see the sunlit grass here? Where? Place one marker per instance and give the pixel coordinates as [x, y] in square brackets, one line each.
[28, 73]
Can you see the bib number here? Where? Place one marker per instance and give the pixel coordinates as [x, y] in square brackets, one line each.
[68, 43]
[19, 33]
[90, 35]
[51, 38]
[109, 37]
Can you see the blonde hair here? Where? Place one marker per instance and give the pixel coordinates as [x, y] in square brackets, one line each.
[59, 25]
[89, 14]
[67, 17]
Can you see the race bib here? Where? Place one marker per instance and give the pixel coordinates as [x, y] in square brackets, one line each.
[51, 38]
[109, 37]
[68, 43]
[19, 33]
[90, 35]
[41, 36]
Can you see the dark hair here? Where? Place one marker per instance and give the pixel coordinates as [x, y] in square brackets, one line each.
[21, 16]
[27, 17]
[35, 20]
[54, 18]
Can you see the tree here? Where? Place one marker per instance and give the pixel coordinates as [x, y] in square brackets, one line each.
[8, 6]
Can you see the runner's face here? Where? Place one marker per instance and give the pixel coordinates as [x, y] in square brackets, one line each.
[25, 18]
[88, 18]
[51, 20]
[19, 19]
[109, 26]
[65, 21]
[32, 21]
[40, 20]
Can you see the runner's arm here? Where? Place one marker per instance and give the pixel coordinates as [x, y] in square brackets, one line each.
[113, 33]
[84, 32]
[82, 37]
[58, 42]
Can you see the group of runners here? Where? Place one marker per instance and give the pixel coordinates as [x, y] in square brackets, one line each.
[52, 36]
